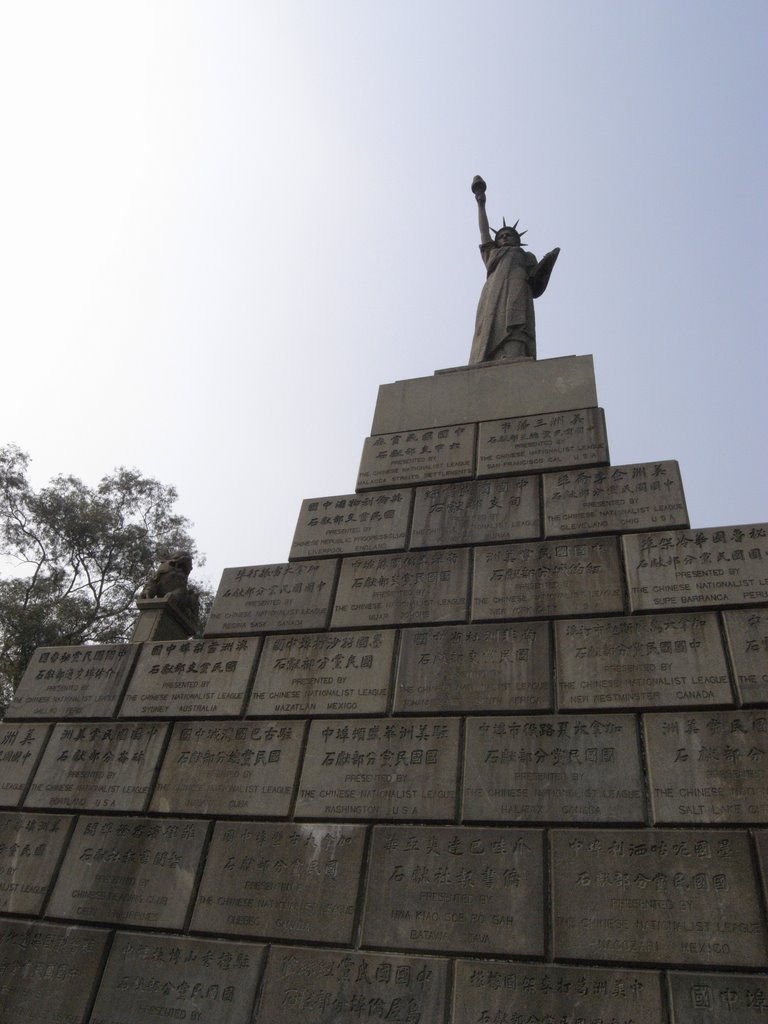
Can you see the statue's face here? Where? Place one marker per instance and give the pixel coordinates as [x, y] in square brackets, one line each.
[507, 237]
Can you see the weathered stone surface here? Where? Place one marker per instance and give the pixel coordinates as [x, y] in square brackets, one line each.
[273, 598]
[696, 568]
[324, 674]
[49, 971]
[552, 578]
[136, 871]
[485, 991]
[98, 766]
[747, 634]
[326, 986]
[418, 456]
[652, 661]
[553, 769]
[476, 512]
[229, 768]
[280, 881]
[642, 496]
[717, 998]
[465, 890]
[761, 842]
[486, 393]
[528, 444]
[667, 897]
[30, 845]
[20, 748]
[708, 767]
[474, 668]
[190, 678]
[387, 768]
[150, 977]
[73, 682]
[422, 586]
[352, 524]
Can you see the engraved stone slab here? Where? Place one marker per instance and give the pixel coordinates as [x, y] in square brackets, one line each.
[716, 998]
[696, 568]
[652, 661]
[189, 678]
[273, 598]
[747, 635]
[556, 440]
[388, 768]
[467, 890]
[422, 586]
[280, 881]
[129, 871]
[708, 767]
[98, 767]
[151, 977]
[324, 674]
[642, 496]
[418, 457]
[552, 578]
[228, 768]
[352, 524]
[20, 747]
[30, 846]
[474, 668]
[667, 897]
[49, 971]
[73, 682]
[476, 512]
[484, 991]
[320, 986]
[553, 769]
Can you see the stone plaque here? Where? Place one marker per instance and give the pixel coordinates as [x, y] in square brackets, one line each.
[651, 661]
[273, 598]
[229, 768]
[476, 512]
[718, 998]
[133, 871]
[352, 524]
[484, 991]
[708, 767]
[747, 633]
[73, 682]
[532, 581]
[474, 668]
[556, 440]
[421, 586]
[98, 767]
[20, 747]
[48, 972]
[667, 897]
[326, 986]
[190, 678]
[385, 768]
[418, 457]
[643, 496]
[697, 568]
[324, 674]
[280, 881]
[553, 769]
[30, 847]
[465, 890]
[150, 977]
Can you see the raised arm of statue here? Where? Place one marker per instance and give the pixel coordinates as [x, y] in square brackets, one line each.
[539, 279]
[478, 188]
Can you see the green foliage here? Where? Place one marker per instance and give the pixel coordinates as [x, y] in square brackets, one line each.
[75, 556]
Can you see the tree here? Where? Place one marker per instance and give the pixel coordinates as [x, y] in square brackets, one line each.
[75, 557]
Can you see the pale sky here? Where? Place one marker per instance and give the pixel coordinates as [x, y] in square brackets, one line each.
[223, 224]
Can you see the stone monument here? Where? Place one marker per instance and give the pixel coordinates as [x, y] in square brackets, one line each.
[491, 747]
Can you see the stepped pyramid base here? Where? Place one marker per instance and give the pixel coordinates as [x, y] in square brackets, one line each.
[489, 748]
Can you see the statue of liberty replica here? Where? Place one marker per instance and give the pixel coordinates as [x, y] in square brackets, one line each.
[505, 327]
